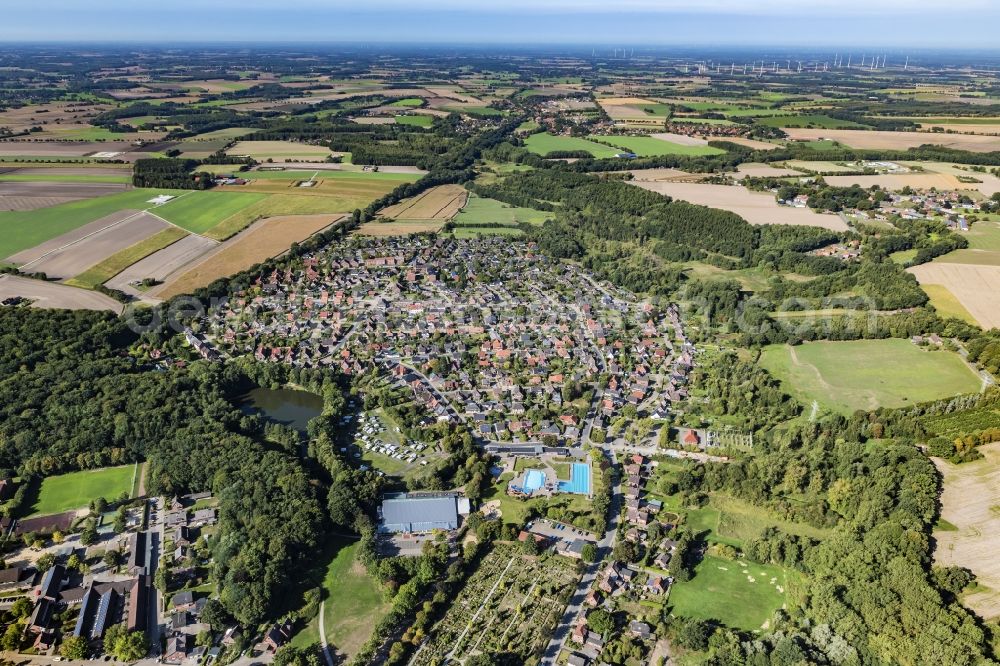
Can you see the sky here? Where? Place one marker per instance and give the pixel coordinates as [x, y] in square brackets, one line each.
[882, 24]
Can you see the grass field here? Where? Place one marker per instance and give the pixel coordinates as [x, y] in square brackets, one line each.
[200, 211]
[479, 210]
[409, 102]
[353, 604]
[649, 146]
[476, 232]
[25, 229]
[867, 374]
[738, 594]
[823, 122]
[119, 261]
[415, 120]
[543, 144]
[76, 489]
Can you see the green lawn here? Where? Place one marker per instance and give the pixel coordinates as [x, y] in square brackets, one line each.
[200, 211]
[415, 121]
[543, 144]
[824, 122]
[408, 102]
[720, 590]
[353, 604]
[648, 146]
[25, 229]
[76, 489]
[867, 374]
[480, 210]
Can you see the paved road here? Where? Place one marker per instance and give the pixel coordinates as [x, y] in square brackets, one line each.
[605, 545]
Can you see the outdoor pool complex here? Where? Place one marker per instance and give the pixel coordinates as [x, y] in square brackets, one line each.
[579, 482]
[533, 480]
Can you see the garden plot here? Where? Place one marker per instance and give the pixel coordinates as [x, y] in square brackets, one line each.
[510, 605]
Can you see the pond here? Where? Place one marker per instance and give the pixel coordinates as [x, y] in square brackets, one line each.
[287, 406]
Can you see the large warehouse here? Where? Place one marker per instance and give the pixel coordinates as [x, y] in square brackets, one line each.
[421, 513]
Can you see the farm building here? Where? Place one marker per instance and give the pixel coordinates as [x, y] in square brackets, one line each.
[421, 513]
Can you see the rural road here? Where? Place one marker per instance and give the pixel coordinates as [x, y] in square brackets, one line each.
[604, 547]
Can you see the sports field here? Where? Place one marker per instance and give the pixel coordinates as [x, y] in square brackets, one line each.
[20, 230]
[739, 594]
[867, 374]
[76, 489]
[649, 146]
[543, 144]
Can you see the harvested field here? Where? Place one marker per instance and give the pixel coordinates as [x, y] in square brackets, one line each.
[27, 257]
[964, 128]
[63, 148]
[653, 175]
[55, 295]
[71, 260]
[32, 195]
[764, 171]
[400, 228]
[159, 265]
[750, 143]
[284, 205]
[280, 151]
[976, 287]
[880, 140]
[46, 170]
[374, 120]
[754, 207]
[682, 139]
[989, 186]
[438, 203]
[818, 167]
[969, 500]
[119, 261]
[918, 181]
[265, 239]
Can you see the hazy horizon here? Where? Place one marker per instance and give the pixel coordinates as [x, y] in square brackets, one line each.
[891, 24]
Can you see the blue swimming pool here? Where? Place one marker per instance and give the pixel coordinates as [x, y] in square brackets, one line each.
[579, 483]
[533, 480]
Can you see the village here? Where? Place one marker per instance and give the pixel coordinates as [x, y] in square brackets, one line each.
[522, 349]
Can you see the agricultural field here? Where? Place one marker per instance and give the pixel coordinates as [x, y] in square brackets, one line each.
[737, 593]
[650, 146]
[265, 239]
[897, 181]
[280, 151]
[119, 261]
[984, 245]
[809, 121]
[199, 212]
[971, 526]
[55, 295]
[867, 374]
[508, 606]
[415, 120]
[438, 203]
[27, 229]
[399, 228]
[31, 193]
[881, 140]
[76, 490]
[754, 207]
[977, 287]
[946, 304]
[543, 144]
[158, 265]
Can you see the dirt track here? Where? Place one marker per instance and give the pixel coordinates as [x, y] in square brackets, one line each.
[55, 295]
